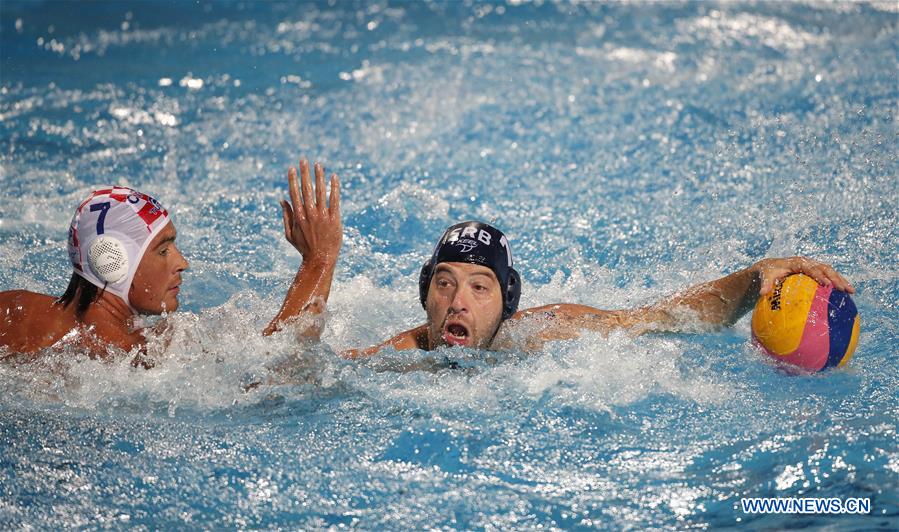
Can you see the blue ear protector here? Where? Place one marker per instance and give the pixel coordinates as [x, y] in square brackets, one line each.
[511, 293]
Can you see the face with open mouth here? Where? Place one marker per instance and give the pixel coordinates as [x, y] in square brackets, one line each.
[464, 305]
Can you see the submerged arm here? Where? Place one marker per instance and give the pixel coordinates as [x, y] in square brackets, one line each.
[315, 230]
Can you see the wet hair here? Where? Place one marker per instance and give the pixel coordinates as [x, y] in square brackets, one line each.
[80, 291]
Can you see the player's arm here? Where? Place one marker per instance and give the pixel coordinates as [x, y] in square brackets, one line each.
[724, 301]
[708, 305]
[314, 228]
[416, 338]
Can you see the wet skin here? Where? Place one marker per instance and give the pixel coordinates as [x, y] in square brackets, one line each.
[30, 322]
[704, 306]
[157, 281]
[464, 305]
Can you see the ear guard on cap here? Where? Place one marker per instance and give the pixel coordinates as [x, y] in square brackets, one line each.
[511, 294]
[424, 283]
[108, 259]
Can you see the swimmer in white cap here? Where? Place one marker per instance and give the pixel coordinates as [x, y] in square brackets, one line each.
[125, 261]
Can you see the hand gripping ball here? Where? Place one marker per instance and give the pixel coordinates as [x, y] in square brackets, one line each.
[805, 324]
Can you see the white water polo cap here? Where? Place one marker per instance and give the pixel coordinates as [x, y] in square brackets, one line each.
[109, 234]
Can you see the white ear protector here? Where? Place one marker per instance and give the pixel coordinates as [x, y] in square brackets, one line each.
[109, 234]
[108, 259]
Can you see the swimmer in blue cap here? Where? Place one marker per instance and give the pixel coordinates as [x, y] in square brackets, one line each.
[477, 255]
[470, 292]
[121, 244]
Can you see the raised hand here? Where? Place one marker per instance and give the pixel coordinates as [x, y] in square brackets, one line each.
[311, 224]
[772, 270]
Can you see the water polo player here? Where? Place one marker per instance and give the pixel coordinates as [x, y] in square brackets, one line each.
[470, 292]
[121, 244]
[122, 249]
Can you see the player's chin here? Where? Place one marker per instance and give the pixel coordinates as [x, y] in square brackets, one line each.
[436, 339]
[477, 342]
[167, 305]
[171, 304]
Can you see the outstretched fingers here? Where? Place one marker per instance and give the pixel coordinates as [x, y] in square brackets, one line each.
[287, 218]
[306, 186]
[334, 200]
[777, 269]
[312, 217]
[320, 188]
[845, 282]
[835, 279]
[826, 275]
[817, 272]
[293, 188]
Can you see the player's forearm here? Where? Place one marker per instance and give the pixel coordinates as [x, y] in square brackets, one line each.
[716, 303]
[308, 294]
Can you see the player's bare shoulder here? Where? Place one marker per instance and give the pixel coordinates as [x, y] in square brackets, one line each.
[19, 307]
[30, 321]
[529, 329]
[416, 338]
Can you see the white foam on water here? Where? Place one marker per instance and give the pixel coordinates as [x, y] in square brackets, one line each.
[594, 372]
[626, 162]
[599, 373]
[206, 361]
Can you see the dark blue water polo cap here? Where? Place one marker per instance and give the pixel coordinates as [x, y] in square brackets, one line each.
[475, 243]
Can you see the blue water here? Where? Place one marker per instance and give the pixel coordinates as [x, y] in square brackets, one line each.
[628, 150]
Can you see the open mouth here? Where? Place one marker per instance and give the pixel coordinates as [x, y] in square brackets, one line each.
[455, 334]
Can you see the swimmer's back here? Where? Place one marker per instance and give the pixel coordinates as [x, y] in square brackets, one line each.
[31, 321]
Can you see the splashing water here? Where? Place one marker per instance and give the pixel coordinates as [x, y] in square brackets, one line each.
[627, 150]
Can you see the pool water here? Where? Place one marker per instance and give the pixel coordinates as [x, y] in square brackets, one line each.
[628, 150]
